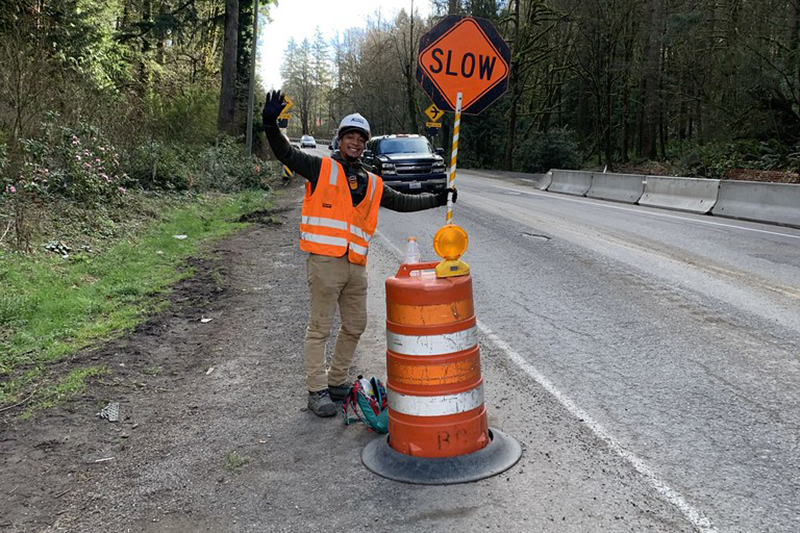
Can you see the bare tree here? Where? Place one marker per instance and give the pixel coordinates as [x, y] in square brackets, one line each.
[651, 79]
[321, 73]
[227, 96]
[406, 36]
[298, 73]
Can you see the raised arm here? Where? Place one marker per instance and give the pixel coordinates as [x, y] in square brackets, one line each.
[398, 201]
[306, 165]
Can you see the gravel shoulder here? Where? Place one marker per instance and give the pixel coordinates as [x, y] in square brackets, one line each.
[214, 435]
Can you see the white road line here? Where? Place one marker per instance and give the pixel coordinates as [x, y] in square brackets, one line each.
[693, 515]
[645, 212]
[396, 249]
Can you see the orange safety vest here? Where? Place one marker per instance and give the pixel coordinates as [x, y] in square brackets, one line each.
[331, 225]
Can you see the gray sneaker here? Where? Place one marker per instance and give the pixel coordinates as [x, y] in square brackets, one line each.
[320, 403]
[338, 392]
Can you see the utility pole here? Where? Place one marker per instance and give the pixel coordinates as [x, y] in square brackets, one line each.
[248, 150]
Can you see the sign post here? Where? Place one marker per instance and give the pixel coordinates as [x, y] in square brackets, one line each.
[283, 118]
[285, 113]
[438, 426]
[463, 65]
[453, 158]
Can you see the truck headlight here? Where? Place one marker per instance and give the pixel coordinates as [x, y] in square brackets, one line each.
[388, 169]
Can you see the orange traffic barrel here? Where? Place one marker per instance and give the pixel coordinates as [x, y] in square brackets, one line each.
[438, 431]
[434, 382]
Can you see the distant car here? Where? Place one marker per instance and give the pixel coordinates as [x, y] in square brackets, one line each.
[334, 145]
[288, 140]
[307, 141]
[407, 162]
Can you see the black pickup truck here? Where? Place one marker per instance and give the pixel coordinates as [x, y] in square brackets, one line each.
[407, 162]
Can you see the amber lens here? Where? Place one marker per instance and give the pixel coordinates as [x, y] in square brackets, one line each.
[450, 242]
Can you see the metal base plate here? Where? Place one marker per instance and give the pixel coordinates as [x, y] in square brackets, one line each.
[502, 453]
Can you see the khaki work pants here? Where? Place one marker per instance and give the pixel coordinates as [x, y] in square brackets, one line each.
[333, 281]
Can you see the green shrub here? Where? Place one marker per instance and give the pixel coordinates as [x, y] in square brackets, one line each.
[75, 163]
[221, 166]
[188, 118]
[713, 160]
[225, 168]
[6, 183]
[543, 151]
[161, 166]
[79, 164]
[3, 156]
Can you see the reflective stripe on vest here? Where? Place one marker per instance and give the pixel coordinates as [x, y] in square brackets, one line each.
[355, 230]
[357, 248]
[334, 173]
[324, 222]
[374, 181]
[323, 239]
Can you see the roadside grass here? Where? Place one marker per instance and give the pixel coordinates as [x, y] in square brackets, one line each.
[51, 306]
[234, 462]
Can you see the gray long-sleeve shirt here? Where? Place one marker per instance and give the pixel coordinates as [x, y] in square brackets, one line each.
[308, 165]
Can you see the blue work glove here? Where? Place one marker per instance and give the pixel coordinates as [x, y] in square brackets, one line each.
[273, 106]
[441, 196]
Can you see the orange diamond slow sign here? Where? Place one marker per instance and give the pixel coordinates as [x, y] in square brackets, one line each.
[467, 55]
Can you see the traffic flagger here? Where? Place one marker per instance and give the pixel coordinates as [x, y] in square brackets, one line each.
[438, 432]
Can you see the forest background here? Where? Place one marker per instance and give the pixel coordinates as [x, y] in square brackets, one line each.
[688, 87]
[701, 88]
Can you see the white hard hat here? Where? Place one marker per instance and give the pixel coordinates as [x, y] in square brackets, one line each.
[353, 122]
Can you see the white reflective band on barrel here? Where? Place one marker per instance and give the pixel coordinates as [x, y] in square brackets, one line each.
[355, 230]
[324, 222]
[334, 172]
[324, 239]
[450, 404]
[432, 344]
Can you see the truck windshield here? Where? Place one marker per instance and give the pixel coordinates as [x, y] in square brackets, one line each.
[415, 145]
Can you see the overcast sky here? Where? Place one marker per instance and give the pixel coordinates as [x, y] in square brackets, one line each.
[300, 18]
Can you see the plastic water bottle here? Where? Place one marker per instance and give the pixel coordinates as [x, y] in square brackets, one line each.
[412, 252]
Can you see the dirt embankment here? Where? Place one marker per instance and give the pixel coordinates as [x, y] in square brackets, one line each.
[196, 398]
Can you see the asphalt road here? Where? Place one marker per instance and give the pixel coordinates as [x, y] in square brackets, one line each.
[646, 359]
[672, 338]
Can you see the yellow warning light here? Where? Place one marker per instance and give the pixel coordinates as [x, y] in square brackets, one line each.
[450, 243]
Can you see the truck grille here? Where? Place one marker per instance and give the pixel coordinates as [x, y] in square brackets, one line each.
[407, 169]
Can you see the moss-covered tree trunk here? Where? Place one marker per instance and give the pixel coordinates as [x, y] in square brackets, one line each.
[227, 97]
